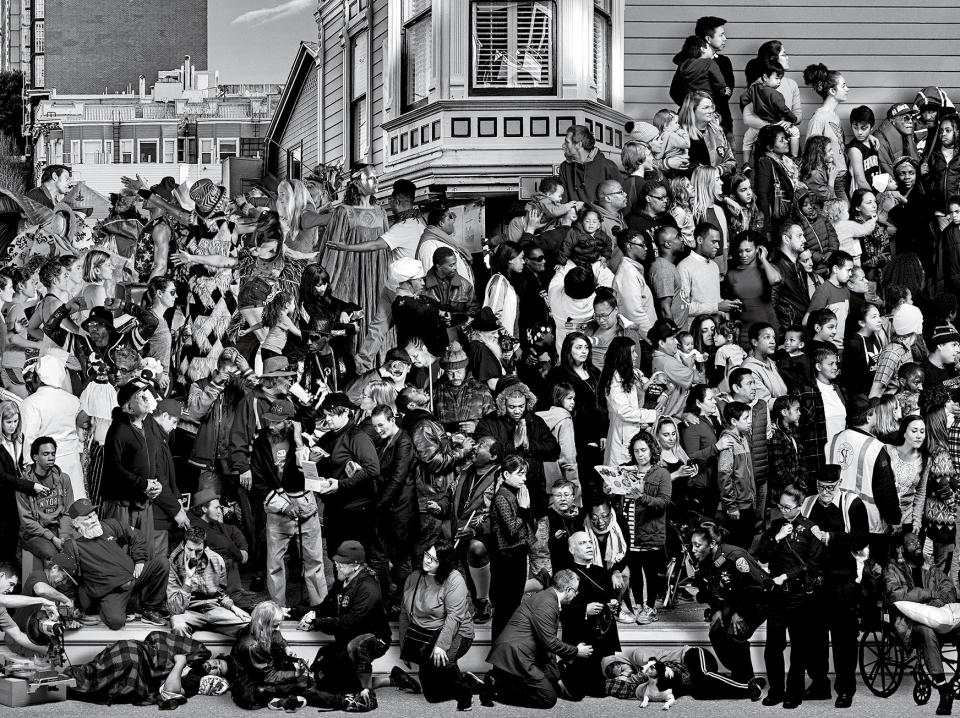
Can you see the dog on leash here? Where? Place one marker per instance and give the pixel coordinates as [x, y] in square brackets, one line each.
[660, 684]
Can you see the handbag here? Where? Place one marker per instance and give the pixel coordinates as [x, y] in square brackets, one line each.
[781, 206]
[418, 642]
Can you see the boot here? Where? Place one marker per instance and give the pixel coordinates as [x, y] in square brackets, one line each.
[945, 706]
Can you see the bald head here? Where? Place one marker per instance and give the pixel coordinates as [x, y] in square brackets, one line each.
[581, 548]
[610, 194]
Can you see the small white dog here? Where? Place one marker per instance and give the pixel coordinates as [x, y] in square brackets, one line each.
[660, 684]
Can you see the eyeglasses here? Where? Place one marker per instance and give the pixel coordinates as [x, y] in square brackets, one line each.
[430, 558]
[598, 315]
[786, 508]
[614, 194]
[599, 517]
[638, 244]
[539, 258]
[661, 197]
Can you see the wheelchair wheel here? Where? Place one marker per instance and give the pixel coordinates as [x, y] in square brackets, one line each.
[882, 660]
[923, 685]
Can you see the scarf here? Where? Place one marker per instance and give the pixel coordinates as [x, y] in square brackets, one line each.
[457, 245]
[616, 545]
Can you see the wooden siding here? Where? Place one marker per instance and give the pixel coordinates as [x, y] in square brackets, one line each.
[302, 126]
[333, 90]
[886, 49]
[378, 43]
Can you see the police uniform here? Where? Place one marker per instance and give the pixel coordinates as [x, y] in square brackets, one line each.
[798, 556]
[732, 582]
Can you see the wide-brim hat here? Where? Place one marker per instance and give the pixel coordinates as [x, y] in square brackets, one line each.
[486, 321]
[100, 315]
[277, 366]
[208, 197]
[204, 497]
[182, 196]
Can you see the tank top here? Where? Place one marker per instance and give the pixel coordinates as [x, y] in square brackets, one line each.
[871, 160]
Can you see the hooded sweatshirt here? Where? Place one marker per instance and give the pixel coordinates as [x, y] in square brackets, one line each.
[46, 516]
[893, 145]
[735, 474]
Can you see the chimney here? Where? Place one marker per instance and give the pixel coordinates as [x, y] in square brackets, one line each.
[187, 73]
[143, 86]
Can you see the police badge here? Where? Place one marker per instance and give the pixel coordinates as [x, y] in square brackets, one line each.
[742, 565]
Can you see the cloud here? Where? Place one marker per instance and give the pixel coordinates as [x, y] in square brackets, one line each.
[269, 14]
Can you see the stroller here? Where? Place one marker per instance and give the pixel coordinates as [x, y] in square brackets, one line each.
[680, 568]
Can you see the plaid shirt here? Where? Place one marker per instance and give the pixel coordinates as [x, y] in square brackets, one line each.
[131, 670]
[785, 466]
[813, 430]
[893, 356]
[208, 583]
[471, 401]
[624, 688]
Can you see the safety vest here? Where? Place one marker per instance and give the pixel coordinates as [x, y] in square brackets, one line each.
[846, 501]
[856, 453]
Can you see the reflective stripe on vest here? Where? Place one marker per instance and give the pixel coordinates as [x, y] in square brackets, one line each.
[856, 453]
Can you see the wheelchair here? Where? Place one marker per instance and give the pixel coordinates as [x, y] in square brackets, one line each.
[884, 659]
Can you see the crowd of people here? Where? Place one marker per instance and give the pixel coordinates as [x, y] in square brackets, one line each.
[746, 370]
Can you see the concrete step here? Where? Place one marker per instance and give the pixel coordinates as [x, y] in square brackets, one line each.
[662, 635]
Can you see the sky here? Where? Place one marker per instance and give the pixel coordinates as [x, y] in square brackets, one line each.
[256, 40]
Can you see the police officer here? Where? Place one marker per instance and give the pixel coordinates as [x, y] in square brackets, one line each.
[793, 553]
[841, 523]
[737, 590]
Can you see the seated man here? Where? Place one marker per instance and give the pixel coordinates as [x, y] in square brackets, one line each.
[196, 589]
[225, 539]
[113, 565]
[44, 523]
[12, 634]
[354, 615]
[908, 577]
[523, 658]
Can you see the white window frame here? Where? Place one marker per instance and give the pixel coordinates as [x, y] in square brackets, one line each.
[141, 142]
[601, 77]
[39, 71]
[74, 152]
[169, 143]
[358, 108]
[108, 151]
[88, 157]
[513, 67]
[424, 15]
[236, 146]
[208, 141]
[39, 42]
[39, 9]
[126, 149]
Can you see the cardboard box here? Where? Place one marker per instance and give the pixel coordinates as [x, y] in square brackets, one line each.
[16, 692]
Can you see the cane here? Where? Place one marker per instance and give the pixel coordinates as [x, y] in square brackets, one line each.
[303, 562]
[469, 519]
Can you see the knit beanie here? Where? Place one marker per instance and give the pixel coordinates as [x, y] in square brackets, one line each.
[454, 358]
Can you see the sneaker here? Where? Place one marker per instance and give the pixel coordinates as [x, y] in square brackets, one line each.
[755, 688]
[371, 697]
[464, 697]
[153, 618]
[403, 681]
[481, 611]
[294, 703]
[626, 616]
[473, 680]
[276, 704]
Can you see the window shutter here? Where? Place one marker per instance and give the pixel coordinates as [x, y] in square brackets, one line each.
[513, 44]
[601, 54]
[418, 42]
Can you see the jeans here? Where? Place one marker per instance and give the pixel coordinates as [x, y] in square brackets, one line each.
[214, 618]
[280, 531]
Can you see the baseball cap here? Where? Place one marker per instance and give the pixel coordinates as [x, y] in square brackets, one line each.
[350, 552]
[662, 329]
[396, 354]
[907, 319]
[280, 410]
[336, 400]
[900, 109]
[169, 406]
[80, 507]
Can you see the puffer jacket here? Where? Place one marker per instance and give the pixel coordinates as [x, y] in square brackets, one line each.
[758, 437]
[650, 510]
[943, 179]
[397, 494]
[735, 474]
[434, 470]
[262, 674]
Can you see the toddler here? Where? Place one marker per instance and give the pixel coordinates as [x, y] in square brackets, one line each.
[729, 354]
[673, 140]
[818, 231]
[548, 199]
[793, 363]
[837, 211]
[687, 353]
[586, 242]
[698, 71]
[769, 105]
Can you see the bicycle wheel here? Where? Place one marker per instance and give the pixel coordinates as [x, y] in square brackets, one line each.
[673, 580]
[882, 660]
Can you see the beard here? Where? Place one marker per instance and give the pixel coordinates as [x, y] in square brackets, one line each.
[90, 532]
